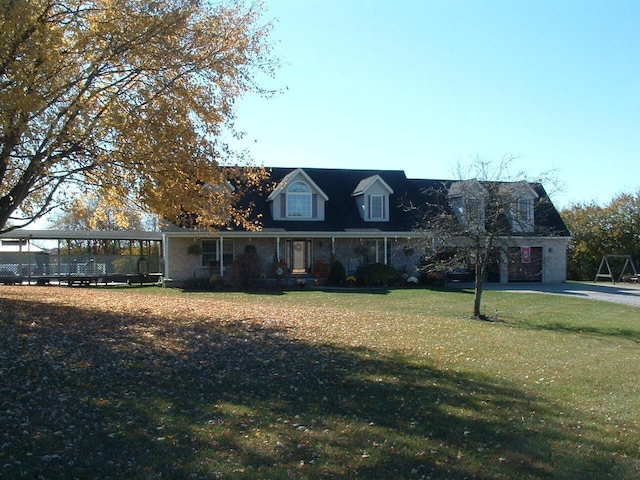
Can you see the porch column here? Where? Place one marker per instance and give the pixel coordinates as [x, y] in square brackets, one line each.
[221, 251]
[20, 267]
[166, 274]
[59, 272]
[68, 258]
[278, 249]
[29, 259]
[385, 251]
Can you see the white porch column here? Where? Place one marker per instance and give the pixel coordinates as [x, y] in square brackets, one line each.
[385, 252]
[278, 249]
[165, 256]
[221, 252]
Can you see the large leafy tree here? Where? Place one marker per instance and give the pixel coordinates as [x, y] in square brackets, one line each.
[599, 230]
[126, 96]
[588, 243]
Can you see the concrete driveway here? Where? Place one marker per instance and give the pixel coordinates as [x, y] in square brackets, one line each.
[626, 293]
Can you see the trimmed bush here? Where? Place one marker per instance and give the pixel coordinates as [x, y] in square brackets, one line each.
[377, 275]
[337, 273]
[246, 268]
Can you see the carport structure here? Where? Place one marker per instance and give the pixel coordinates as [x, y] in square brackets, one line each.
[82, 257]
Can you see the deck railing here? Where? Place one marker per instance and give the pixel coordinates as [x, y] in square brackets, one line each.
[36, 265]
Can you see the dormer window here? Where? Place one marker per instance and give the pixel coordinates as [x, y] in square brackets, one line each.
[299, 200]
[519, 198]
[297, 197]
[372, 198]
[467, 199]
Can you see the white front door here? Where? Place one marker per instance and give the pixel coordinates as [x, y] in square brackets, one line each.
[299, 256]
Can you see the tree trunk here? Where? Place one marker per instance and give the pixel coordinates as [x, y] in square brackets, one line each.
[477, 301]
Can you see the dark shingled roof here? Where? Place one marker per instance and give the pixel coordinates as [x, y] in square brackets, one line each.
[341, 212]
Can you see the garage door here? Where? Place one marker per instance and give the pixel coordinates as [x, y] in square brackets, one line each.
[525, 264]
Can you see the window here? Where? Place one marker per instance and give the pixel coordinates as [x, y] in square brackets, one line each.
[373, 251]
[467, 199]
[523, 210]
[474, 212]
[376, 207]
[299, 200]
[211, 254]
[470, 212]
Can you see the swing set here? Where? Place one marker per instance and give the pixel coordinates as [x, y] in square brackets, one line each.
[628, 272]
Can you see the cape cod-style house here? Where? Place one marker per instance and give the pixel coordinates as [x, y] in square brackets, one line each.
[312, 217]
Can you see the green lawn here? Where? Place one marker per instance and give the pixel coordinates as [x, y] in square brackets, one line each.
[146, 382]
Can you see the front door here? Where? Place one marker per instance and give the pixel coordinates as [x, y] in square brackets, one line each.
[299, 256]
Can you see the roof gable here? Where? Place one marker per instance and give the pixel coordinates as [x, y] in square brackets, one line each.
[294, 176]
[368, 182]
[467, 188]
[520, 189]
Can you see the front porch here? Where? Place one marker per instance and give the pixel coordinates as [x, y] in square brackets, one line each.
[283, 257]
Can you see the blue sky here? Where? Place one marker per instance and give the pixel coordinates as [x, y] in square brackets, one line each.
[423, 86]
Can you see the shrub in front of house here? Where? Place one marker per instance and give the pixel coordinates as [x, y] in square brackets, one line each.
[246, 267]
[216, 282]
[377, 275]
[337, 274]
[196, 284]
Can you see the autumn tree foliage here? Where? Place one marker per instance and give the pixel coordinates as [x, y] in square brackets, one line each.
[128, 97]
[598, 230]
[93, 212]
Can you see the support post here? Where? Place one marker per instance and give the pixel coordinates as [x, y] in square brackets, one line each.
[221, 256]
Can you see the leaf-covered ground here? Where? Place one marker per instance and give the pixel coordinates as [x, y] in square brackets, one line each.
[100, 383]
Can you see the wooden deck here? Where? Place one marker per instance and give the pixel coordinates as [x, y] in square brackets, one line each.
[70, 280]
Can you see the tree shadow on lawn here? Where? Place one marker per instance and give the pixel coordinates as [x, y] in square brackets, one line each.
[605, 331]
[90, 394]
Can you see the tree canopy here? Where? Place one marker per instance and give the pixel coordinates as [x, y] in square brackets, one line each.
[130, 97]
[599, 230]
[91, 212]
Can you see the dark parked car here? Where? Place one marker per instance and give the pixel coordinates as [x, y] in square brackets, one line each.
[461, 275]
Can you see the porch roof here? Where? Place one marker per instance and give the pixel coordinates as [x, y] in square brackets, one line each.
[133, 235]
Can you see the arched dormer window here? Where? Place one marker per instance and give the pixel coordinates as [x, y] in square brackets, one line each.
[299, 200]
[296, 198]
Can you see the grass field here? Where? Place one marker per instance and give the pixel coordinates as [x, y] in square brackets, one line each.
[155, 383]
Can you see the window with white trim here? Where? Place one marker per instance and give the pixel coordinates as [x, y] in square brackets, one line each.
[376, 207]
[211, 252]
[473, 211]
[299, 200]
[523, 210]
